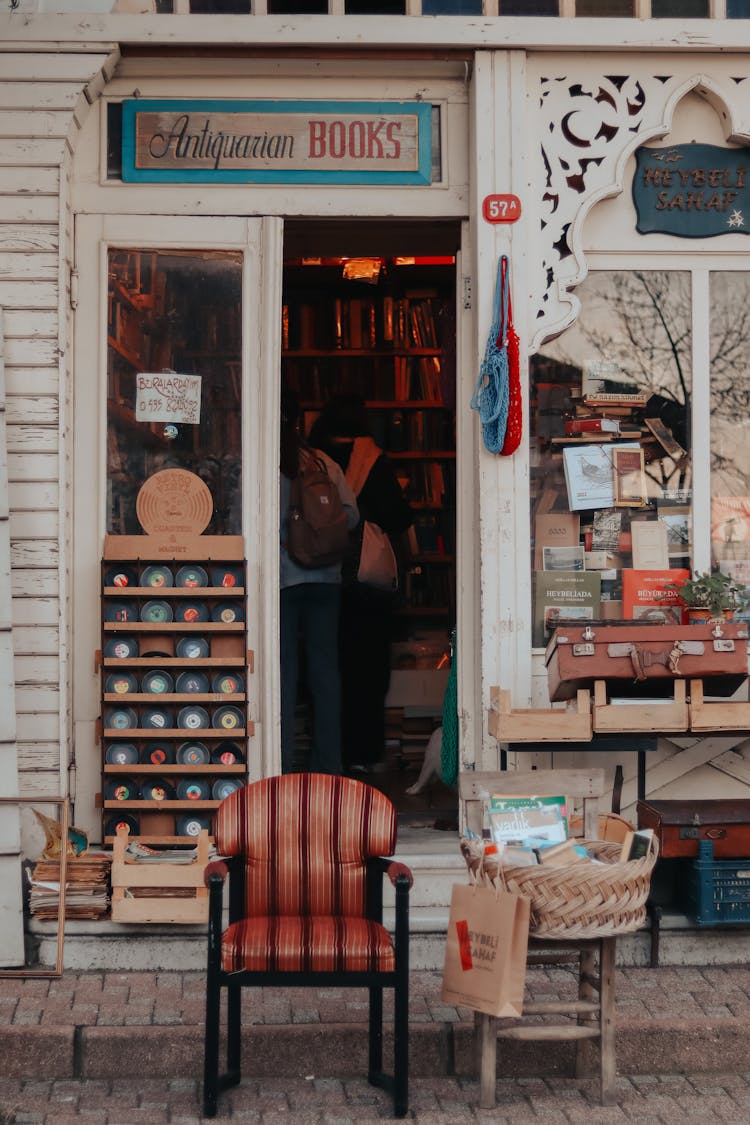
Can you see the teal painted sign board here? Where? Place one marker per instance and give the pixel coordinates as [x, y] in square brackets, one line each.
[276, 142]
[692, 190]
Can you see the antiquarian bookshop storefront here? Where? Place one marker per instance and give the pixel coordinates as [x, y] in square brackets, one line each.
[214, 222]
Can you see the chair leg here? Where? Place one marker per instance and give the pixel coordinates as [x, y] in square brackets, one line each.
[211, 1045]
[587, 990]
[401, 1047]
[375, 1060]
[234, 1034]
[607, 997]
[485, 1028]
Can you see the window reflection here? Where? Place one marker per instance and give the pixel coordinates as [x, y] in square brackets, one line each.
[610, 425]
[173, 378]
[729, 320]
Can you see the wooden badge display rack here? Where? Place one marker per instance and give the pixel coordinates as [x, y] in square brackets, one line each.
[174, 507]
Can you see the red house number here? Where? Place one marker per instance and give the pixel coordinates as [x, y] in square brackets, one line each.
[501, 208]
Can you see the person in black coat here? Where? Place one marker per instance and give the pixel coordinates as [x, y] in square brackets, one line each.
[342, 430]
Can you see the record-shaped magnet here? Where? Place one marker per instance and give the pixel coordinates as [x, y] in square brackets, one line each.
[192, 683]
[192, 825]
[120, 611]
[157, 718]
[227, 754]
[120, 718]
[121, 754]
[191, 612]
[227, 576]
[157, 754]
[158, 790]
[224, 786]
[156, 612]
[228, 612]
[121, 576]
[157, 682]
[120, 683]
[193, 718]
[192, 648]
[121, 647]
[193, 789]
[121, 789]
[192, 754]
[130, 823]
[227, 683]
[157, 577]
[228, 718]
[191, 576]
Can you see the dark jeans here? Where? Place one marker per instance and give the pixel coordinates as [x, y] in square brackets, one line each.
[366, 616]
[311, 610]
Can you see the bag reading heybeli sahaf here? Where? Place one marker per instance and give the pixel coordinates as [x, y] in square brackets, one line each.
[318, 534]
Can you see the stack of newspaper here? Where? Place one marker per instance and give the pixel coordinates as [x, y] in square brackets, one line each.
[86, 887]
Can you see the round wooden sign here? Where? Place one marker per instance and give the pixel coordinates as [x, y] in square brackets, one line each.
[174, 500]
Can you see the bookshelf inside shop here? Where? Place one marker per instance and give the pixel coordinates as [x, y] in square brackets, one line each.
[388, 336]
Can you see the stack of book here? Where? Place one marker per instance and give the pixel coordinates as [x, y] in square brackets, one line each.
[86, 887]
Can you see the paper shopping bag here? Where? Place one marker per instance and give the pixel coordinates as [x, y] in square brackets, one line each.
[485, 954]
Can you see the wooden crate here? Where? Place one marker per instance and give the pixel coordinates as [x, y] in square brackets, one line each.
[159, 892]
[726, 715]
[539, 725]
[642, 716]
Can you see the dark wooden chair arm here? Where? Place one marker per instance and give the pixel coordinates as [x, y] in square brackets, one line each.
[215, 871]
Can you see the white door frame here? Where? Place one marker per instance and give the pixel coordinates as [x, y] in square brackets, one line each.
[260, 241]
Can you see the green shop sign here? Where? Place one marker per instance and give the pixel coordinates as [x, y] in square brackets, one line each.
[692, 191]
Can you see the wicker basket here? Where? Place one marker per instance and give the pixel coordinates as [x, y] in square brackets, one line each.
[582, 900]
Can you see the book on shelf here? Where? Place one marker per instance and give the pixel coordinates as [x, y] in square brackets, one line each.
[650, 545]
[636, 844]
[647, 596]
[566, 595]
[554, 529]
[636, 400]
[590, 476]
[665, 438]
[629, 474]
[593, 425]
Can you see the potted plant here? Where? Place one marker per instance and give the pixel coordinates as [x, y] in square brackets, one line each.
[709, 595]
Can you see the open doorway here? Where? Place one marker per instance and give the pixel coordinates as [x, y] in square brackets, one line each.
[369, 311]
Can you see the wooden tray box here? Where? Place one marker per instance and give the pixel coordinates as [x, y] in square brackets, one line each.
[577, 655]
[680, 825]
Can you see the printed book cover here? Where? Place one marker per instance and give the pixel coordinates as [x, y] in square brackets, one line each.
[590, 475]
[646, 597]
[523, 818]
[563, 594]
[555, 529]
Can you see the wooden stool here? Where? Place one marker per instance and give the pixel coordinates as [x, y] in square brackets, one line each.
[594, 1008]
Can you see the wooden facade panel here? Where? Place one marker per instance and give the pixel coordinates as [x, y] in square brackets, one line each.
[44, 727]
[36, 611]
[24, 150]
[25, 295]
[16, 266]
[31, 671]
[30, 525]
[30, 466]
[42, 67]
[34, 353]
[39, 783]
[36, 584]
[43, 181]
[30, 323]
[37, 96]
[44, 439]
[23, 380]
[38, 755]
[33, 496]
[29, 208]
[41, 409]
[34, 553]
[33, 123]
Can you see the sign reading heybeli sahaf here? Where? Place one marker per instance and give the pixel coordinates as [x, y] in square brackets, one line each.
[276, 142]
[168, 397]
[692, 190]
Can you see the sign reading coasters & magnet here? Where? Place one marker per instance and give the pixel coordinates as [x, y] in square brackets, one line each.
[692, 190]
[276, 142]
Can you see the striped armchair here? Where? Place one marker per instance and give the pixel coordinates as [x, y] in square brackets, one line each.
[305, 858]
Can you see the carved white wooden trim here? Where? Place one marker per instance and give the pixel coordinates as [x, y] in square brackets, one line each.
[589, 127]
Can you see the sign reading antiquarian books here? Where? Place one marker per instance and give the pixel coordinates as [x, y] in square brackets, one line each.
[271, 142]
[692, 190]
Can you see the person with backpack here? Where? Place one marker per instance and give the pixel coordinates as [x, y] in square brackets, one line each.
[342, 430]
[317, 509]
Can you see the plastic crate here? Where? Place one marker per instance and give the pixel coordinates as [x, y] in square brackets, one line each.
[718, 890]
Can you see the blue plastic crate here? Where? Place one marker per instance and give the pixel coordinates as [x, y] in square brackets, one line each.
[718, 890]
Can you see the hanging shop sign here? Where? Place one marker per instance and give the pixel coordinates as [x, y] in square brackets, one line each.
[321, 142]
[692, 190]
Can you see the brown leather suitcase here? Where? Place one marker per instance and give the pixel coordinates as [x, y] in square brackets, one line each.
[645, 660]
[680, 825]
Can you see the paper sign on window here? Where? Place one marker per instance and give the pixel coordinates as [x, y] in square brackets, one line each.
[168, 397]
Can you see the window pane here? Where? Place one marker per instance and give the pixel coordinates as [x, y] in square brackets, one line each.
[451, 7]
[219, 7]
[729, 318]
[529, 7]
[297, 7]
[632, 338]
[375, 7]
[679, 9]
[738, 9]
[172, 315]
[604, 8]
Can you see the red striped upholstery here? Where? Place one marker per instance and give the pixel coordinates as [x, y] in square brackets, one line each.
[304, 838]
[307, 944]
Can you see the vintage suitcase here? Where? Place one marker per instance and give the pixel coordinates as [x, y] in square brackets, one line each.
[646, 659]
[681, 825]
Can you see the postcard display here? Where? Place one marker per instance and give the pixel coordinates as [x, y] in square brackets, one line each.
[174, 662]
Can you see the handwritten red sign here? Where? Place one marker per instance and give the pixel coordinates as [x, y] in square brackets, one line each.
[501, 208]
